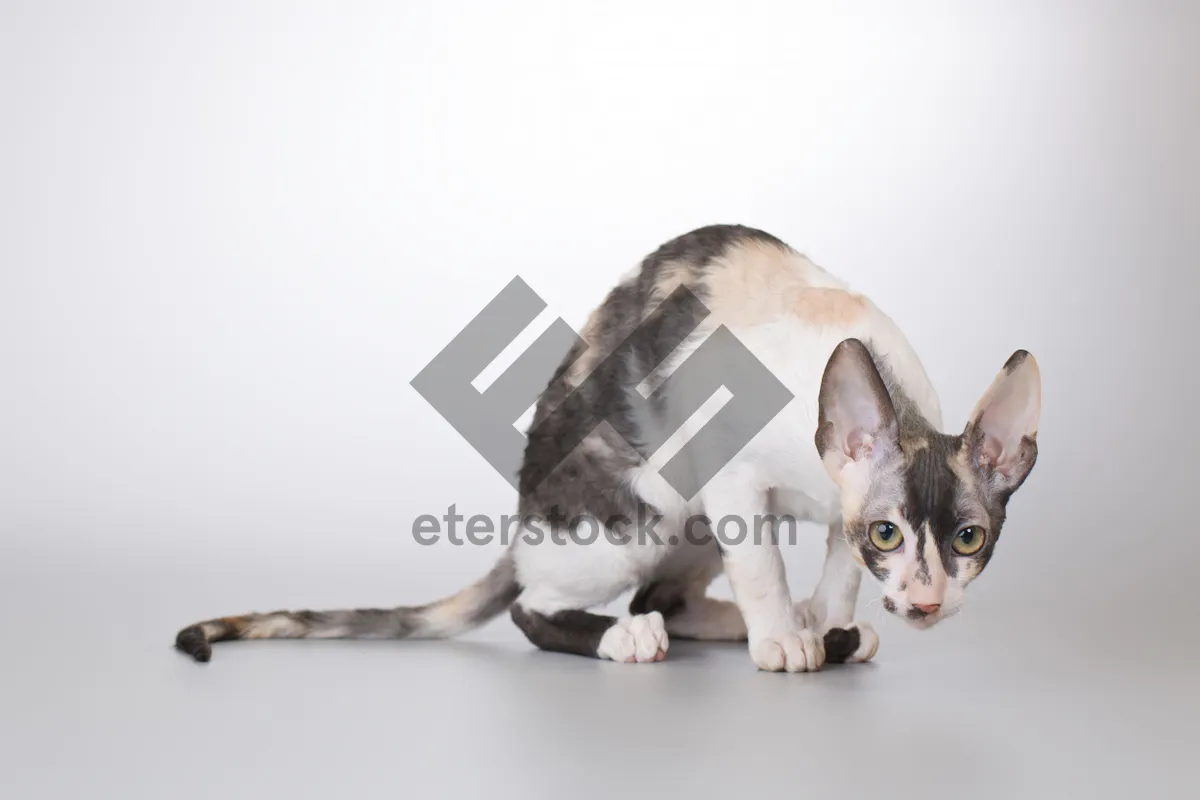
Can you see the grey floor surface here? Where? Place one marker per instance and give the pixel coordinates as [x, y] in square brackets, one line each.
[97, 704]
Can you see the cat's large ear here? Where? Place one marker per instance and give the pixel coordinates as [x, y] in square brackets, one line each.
[1002, 432]
[856, 421]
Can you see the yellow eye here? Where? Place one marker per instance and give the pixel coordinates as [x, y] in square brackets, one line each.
[885, 536]
[969, 541]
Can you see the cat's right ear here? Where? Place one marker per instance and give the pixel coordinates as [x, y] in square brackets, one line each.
[1002, 433]
[856, 421]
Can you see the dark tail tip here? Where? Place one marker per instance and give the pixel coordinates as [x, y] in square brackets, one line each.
[191, 640]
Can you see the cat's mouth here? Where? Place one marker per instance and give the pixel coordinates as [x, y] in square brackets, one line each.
[917, 617]
[921, 619]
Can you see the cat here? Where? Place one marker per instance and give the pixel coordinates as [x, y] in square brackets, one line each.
[857, 448]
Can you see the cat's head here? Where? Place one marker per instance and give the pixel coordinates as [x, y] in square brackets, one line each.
[922, 510]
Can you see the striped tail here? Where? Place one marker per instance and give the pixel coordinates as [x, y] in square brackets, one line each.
[457, 614]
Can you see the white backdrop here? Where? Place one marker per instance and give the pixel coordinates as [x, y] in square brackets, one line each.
[232, 233]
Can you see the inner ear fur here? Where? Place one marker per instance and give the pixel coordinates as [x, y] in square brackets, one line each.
[1002, 431]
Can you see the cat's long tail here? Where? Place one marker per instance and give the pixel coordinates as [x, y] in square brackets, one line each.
[461, 612]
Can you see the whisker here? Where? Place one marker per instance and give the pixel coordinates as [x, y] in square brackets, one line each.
[877, 603]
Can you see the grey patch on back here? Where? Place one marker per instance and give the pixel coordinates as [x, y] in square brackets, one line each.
[635, 331]
[698, 249]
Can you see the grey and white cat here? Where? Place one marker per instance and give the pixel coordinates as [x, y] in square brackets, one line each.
[859, 448]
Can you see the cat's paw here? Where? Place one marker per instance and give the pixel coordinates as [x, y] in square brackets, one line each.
[852, 644]
[636, 639]
[790, 651]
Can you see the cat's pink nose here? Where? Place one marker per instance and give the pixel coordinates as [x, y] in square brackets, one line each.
[928, 608]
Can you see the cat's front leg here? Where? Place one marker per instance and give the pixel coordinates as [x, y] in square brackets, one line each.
[754, 566]
[830, 611]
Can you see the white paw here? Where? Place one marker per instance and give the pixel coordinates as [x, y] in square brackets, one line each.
[635, 639]
[793, 651]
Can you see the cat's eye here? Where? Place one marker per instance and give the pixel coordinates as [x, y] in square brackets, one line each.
[969, 540]
[885, 536]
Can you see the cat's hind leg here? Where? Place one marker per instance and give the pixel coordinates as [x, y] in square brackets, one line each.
[636, 639]
[693, 615]
[564, 578]
[677, 591]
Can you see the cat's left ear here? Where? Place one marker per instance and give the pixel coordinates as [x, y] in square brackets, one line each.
[1002, 432]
